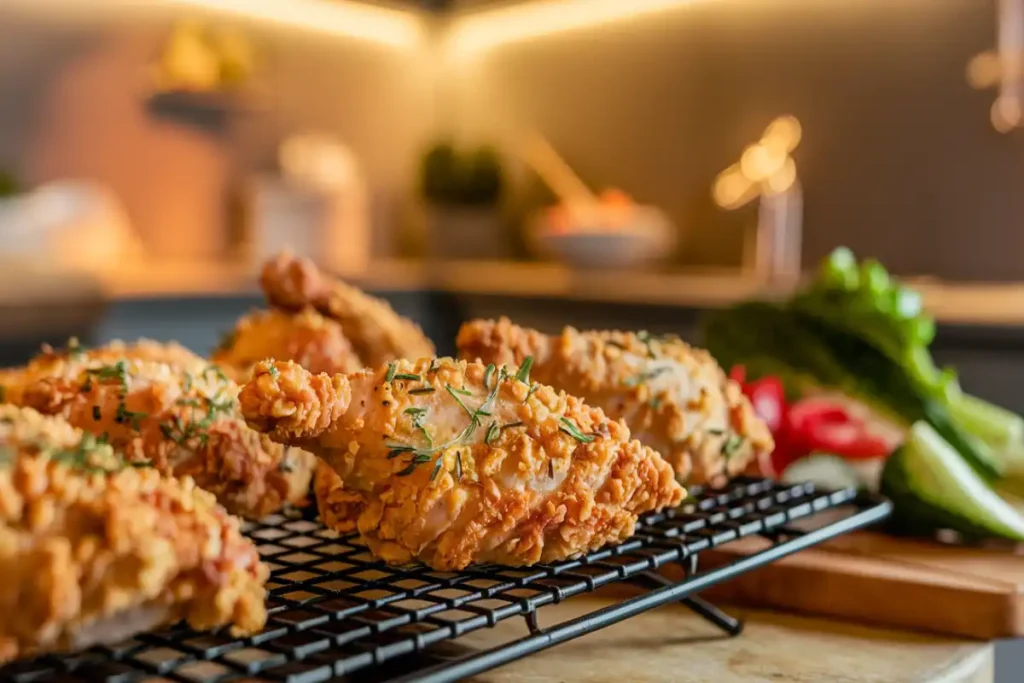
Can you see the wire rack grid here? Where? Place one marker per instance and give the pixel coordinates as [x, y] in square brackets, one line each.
[336, 612]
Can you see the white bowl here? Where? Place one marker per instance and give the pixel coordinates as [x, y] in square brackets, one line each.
[648, 238]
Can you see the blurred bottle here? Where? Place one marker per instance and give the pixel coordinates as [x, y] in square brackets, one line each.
[317, 206]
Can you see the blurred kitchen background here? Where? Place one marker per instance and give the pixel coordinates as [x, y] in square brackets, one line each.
[627, 164]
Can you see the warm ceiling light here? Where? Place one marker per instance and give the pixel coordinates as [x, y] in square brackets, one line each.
[478, 31]
[372, 23]
[338, 17]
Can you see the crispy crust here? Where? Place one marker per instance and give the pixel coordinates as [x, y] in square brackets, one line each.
[339, 508]
[530, 492]
[376, 332]
[183, 423]
[694, 415]
[306, 337]
[91, 556]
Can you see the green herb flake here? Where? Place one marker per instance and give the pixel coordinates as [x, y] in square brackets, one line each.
[524, 370]
[492, 433]
[731, 445]
[458, 466]
[96, 413]
[409, 377]
[273, 371]
[455, 394]
[510, 425]
[570, 428]
[392, 369]
[487, 375]
[421, 390]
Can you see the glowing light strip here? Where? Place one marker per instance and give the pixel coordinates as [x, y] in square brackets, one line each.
[383, 25]
[479, 31]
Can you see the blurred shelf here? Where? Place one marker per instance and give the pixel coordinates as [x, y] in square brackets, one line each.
[951, 303]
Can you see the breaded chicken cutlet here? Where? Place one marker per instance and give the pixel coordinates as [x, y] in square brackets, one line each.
[376, 332]
[182, 422]
[675, 398]
[317, 343]
[94, 551]
[459, 463]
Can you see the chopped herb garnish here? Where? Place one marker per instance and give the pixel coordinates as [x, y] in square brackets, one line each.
[510, 425]
[551, 468]
[217, 372]
[460, 439]
[570, 428]
[433, 365]
[118, 371]
[655, 402]
[731, 445]
[455, 394]
[392, 369]
[458, 465]
[487, 375]
[123, 416]
[531, 392]
[716, 431]
[187, 385]
[437, 467]
[273, 371]
[639, 379]
[492, 433]
[409, 377]
[524, 370]
[96, 413]
[421, 390]
[399, 449]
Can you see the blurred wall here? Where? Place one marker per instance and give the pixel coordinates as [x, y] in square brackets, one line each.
[898, 158]
[74, 103]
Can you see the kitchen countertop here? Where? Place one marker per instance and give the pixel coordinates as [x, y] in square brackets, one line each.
[994, 304]
[673, 644]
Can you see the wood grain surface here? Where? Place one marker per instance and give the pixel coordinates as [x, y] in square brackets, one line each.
[672, 644]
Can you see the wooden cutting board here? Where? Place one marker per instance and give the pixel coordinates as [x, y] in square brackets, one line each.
[886, 581]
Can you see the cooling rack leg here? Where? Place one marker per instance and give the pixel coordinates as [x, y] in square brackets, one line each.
[731, 625]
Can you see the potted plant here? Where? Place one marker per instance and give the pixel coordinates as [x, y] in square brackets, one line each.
[462, 190]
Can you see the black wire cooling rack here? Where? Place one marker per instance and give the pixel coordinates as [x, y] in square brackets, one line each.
[335, 612]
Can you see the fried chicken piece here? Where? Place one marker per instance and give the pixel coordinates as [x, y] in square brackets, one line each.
[92, 551]
[315, 342]
[181, 422]
[459, 463]
[675, 398]
[51, 361]
[377, 333]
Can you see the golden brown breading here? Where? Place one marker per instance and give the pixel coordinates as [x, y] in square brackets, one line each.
[183, 423]
[457, 463]
[94, 552]
[675, 398]
[339, 508]
[315, 342]
[377, 333]
[51, 360]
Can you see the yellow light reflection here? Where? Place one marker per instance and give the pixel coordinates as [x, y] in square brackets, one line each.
[488, 28]
[765, 168]
[346, 18]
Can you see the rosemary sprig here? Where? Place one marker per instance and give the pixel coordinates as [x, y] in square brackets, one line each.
[455, 394]
[524, 370]
[487, 375]
[409, 377]
[421, 390]
[392, 369]
[421, 455]
[570, 428]
[492, 433]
